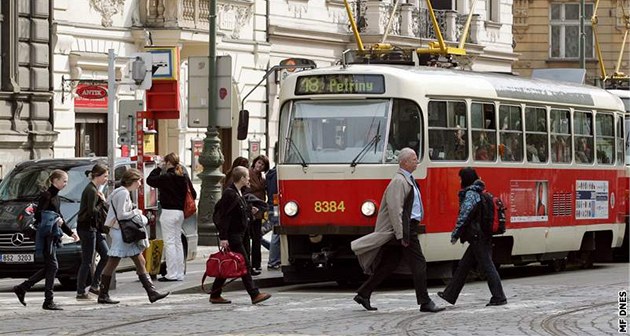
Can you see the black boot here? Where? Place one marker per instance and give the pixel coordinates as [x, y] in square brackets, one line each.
[20, 293]
[103, 294]
[50, 305]
[153, 294]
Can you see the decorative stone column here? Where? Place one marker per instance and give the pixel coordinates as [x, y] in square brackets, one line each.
[374, 17]
[406, 14]
[451, 26]
[475, 29]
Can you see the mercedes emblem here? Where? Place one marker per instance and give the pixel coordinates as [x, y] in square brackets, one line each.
[17, 239]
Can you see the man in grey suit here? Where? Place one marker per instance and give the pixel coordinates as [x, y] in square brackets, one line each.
[395, 237]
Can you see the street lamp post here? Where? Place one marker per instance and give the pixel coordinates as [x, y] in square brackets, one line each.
[211, 158]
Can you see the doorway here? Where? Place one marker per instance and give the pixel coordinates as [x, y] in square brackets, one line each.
[90, 135]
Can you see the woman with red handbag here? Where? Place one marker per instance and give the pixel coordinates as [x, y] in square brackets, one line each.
[173, 185]
[232, 227]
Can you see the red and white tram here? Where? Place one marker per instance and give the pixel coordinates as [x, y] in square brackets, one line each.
[553, 152]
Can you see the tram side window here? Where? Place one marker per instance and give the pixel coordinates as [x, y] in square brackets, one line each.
[583, 125]
[536, 134]
[484, 131]
[511, 134]
[560, 136]
[620, 144]
[448, 133]
[405, 130]
[605, 143]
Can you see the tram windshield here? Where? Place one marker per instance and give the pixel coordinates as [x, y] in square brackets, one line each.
[337, 131]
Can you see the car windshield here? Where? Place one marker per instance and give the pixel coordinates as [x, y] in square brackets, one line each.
[29, 182]
[337, 131]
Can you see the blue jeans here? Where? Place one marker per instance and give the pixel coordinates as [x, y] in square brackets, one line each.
[274, 250]
[91, 241]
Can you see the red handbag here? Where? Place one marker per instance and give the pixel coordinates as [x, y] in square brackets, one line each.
[225, 264]
[189, 204]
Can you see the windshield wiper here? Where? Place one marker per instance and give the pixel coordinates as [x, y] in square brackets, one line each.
[374, 141]
[297, 151]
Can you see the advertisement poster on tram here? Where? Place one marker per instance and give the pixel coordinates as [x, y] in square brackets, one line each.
[529, 201]
[591, 199]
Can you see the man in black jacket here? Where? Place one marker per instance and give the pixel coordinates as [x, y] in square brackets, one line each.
[234, 221]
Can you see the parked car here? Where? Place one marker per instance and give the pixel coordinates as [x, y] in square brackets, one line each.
[19, 192]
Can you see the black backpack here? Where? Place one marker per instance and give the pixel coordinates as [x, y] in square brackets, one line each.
[492, 215]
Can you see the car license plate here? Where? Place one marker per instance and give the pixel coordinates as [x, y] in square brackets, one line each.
[16, 258]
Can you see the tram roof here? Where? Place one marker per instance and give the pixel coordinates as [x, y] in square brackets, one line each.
[439, 82]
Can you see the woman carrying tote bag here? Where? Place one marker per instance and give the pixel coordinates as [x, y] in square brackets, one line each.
[122, 207]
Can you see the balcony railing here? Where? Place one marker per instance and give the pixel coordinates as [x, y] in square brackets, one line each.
[409, 20]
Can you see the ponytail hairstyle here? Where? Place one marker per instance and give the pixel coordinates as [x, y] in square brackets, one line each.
[173, 159]
[98, 170]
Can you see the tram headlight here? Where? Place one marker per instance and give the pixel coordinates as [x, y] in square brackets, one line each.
[368, 208]
[291, 209]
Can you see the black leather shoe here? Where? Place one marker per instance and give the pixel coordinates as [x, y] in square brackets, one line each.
[254, 272]
[441, 294]
[497, 303]
[165, 279]
[20, 293]
[364, 302]
[51, 306]
[430, 307]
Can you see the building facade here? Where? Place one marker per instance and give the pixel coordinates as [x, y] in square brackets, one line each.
[547, 34]
[257, 35]
[26, 107]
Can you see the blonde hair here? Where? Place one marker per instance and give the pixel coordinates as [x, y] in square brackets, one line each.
[56, 174]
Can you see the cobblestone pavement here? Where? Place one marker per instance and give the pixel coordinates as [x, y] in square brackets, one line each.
[574, 302]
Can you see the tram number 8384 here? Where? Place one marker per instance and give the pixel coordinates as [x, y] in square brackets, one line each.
[329, 206]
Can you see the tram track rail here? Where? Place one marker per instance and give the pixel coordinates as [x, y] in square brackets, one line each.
[550, 323]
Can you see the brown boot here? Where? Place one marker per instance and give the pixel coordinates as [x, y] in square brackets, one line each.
[219, 300]
[260, 297]
[103, 293]
[153, 294]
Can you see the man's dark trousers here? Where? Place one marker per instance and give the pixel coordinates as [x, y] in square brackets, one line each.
[391, 254]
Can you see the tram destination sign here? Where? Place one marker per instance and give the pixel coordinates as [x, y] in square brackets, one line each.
[340, 84]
